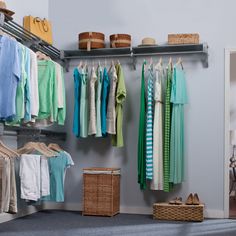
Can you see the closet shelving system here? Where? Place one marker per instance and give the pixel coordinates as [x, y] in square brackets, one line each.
[36, 44]
[200, 50]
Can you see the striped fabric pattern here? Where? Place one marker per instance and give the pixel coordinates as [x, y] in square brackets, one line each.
[167, 131]
[149, 127]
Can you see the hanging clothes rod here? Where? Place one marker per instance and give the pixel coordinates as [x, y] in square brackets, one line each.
[135, 52]
[31, 132]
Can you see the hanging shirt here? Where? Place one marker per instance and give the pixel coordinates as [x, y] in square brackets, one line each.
[92, 107]
[178, 99]
[111, 108]
[117, 140]
[149, 126]
[10, 74]
[157, 180]
[47, 86]
[104, 101]
[142, 135]
[20, 90]
[34, 95]
[98, 102]
[61, 94]
[57, 167]
[77, 88]
[27, 97]
[84, 105]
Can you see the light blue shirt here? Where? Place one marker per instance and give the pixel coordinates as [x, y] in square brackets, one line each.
[10, 74]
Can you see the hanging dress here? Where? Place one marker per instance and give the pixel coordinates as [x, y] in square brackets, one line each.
[178, 99]
[167, 130]
[149, 125]
[104, 101]
[142, 135]
[98, 102]
[77, 88]
[157, 181]
[111, 109]
[92, 108]
[84, 105]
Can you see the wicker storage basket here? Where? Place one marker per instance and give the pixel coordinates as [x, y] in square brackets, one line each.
[120, 40]
[101, 191]
[183, 38]
[165, 211]
[91, 40]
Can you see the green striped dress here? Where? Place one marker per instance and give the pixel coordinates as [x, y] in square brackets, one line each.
[142, 136]
[167, 131]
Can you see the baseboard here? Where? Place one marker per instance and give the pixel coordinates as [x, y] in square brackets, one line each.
[78, 207]
[4, 217]
[213, 214]
[208, 213]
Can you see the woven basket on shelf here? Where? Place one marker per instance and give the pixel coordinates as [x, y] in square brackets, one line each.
[183, 38]
[91, 40]
[101, 191]
[120, 40]
[165, 211]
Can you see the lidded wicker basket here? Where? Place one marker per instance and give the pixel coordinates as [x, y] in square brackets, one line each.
[91, 40]
[120, 40]
[183, 39]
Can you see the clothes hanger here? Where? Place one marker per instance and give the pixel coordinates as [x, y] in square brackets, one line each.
[170, 62]
[13, 153]
[180, 62]
[44, 147]
[31, 147]
[80, 65]
[55, 147]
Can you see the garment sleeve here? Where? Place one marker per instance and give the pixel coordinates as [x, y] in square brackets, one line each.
[54, 94]
[27, 87]
[62, 111]
[34, 95]
[17, 64]
[121, 89]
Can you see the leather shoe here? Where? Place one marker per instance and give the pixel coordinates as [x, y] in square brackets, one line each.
[196, 199]
[189, 200]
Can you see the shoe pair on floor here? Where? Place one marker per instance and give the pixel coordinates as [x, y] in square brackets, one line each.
[192, 199]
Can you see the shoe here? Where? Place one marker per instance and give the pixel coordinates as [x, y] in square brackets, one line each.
[189, 200]
[176, 201]
[196, 199]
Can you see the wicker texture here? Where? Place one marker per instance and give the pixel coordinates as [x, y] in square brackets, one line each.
[120, 40]
[165, 211]
[183, 38]
[91, 40]
[101, 193]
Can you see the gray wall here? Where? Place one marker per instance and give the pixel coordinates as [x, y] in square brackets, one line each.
[27, 7]
[204, 113]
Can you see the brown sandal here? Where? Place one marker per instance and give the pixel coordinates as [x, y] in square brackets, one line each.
[176, 201]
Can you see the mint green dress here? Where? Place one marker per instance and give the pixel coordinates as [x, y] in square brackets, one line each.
[178, 99]
[84, 104]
